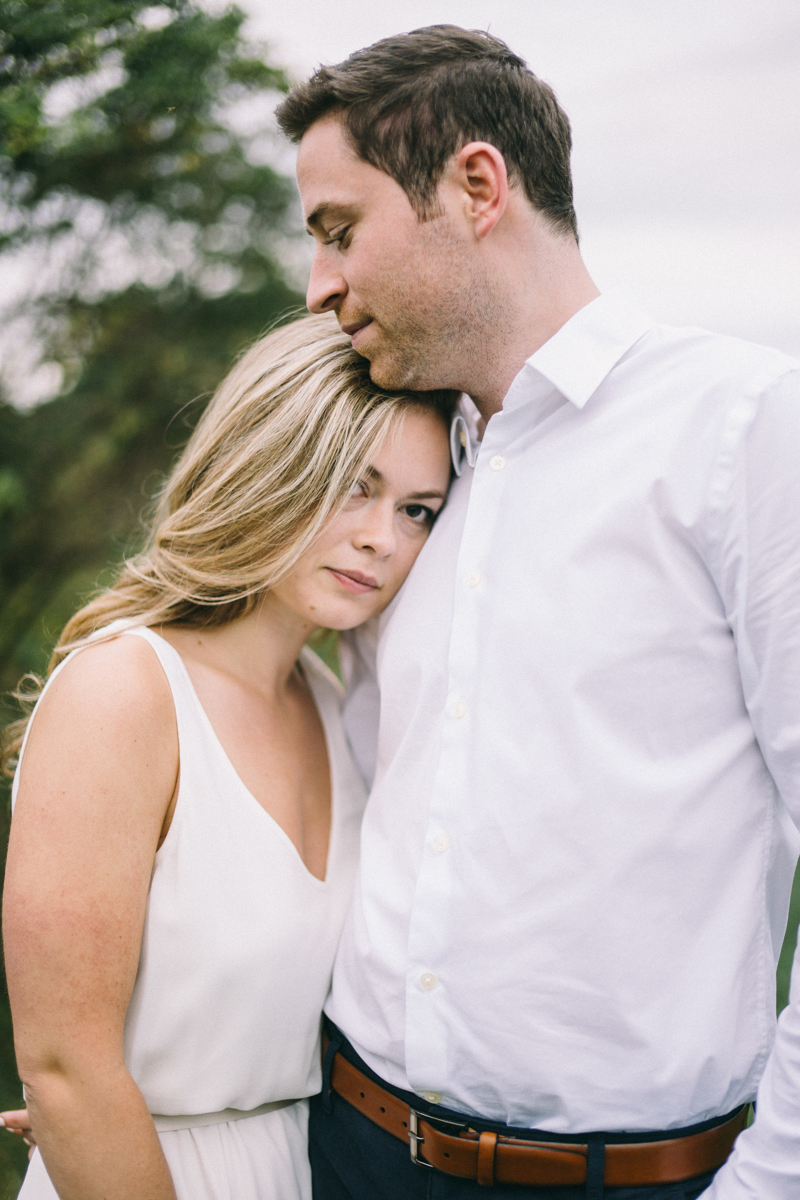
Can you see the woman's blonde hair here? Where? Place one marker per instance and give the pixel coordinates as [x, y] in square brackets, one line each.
[272, 459]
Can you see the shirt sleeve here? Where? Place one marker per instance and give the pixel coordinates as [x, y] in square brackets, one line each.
[362, 705]
[759, 578]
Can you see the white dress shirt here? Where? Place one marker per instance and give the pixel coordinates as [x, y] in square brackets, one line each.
[578, 851]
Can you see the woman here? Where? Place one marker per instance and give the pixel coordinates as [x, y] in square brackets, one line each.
[186, 808]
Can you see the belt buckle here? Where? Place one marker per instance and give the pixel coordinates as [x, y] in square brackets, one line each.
[415, 1138]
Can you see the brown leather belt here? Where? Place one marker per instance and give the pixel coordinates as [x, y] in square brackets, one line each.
[490, 1158]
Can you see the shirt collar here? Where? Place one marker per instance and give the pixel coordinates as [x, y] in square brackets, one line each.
[464, 440]
[581, 354]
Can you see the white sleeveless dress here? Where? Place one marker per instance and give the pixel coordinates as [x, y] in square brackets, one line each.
[237, 952]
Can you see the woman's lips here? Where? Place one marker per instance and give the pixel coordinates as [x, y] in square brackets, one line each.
[354, 581]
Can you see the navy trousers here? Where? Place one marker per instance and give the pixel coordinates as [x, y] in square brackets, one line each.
[353, 1159]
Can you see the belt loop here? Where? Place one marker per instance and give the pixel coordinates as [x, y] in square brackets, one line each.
[595, 1167]
[487, 1144]
[327, 1064]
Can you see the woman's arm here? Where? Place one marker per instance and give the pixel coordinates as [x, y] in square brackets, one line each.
[96, 783]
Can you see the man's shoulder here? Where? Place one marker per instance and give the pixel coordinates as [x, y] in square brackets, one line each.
[714, 358]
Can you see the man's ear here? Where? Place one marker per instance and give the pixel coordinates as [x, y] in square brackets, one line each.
[482, 176]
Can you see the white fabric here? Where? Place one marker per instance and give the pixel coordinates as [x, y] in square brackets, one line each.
[578, 853]
[237, 950]
[226, 1115]
[263, 1158]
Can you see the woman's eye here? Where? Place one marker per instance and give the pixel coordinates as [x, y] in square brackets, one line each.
[420, 514]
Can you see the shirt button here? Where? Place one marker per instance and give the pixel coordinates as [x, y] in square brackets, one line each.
[474, 578]
[497, 462]
[460, 709]
[428, 981]
[441, 842]
[431, 1097]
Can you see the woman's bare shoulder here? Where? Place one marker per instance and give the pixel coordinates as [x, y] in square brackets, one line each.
[111, 689]
[102, 757]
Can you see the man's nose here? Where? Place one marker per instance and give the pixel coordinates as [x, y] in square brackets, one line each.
[326, 286]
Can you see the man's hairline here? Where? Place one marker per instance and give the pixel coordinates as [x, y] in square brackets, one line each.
[335, 115]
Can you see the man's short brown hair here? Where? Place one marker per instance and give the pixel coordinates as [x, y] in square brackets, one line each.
[410, 102]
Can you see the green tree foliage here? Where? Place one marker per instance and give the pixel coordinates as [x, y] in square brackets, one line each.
[146, 186]
[150, 225]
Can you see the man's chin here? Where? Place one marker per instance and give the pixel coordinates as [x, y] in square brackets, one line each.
[394, 375]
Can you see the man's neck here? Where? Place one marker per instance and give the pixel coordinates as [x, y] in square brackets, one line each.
[550, 292]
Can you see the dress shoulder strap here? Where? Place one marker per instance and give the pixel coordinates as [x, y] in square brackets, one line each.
[194, 726]
[171, 662]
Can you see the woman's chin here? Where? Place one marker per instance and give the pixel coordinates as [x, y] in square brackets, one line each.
[342, 623]
[348, 614]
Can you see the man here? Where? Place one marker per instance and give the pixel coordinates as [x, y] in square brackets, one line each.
[579, 847]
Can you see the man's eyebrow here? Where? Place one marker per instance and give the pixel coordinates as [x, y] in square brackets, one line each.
[315, 220]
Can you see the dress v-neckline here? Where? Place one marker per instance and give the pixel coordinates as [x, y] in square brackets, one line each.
[276, 825]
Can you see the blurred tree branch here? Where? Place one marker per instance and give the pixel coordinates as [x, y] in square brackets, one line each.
[156, 228]
[139, 140]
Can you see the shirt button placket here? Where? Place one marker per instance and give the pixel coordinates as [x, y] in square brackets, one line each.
[428, 1003]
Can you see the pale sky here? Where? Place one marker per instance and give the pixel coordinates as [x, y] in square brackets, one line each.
[686, 122]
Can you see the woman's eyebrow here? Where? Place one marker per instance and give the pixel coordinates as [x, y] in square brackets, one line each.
[373, 474]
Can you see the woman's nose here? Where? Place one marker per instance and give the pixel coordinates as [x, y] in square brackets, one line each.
[377, 531]
[326, 286]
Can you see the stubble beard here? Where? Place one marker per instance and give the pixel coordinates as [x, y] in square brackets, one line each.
[436, 333]
[409, 360]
